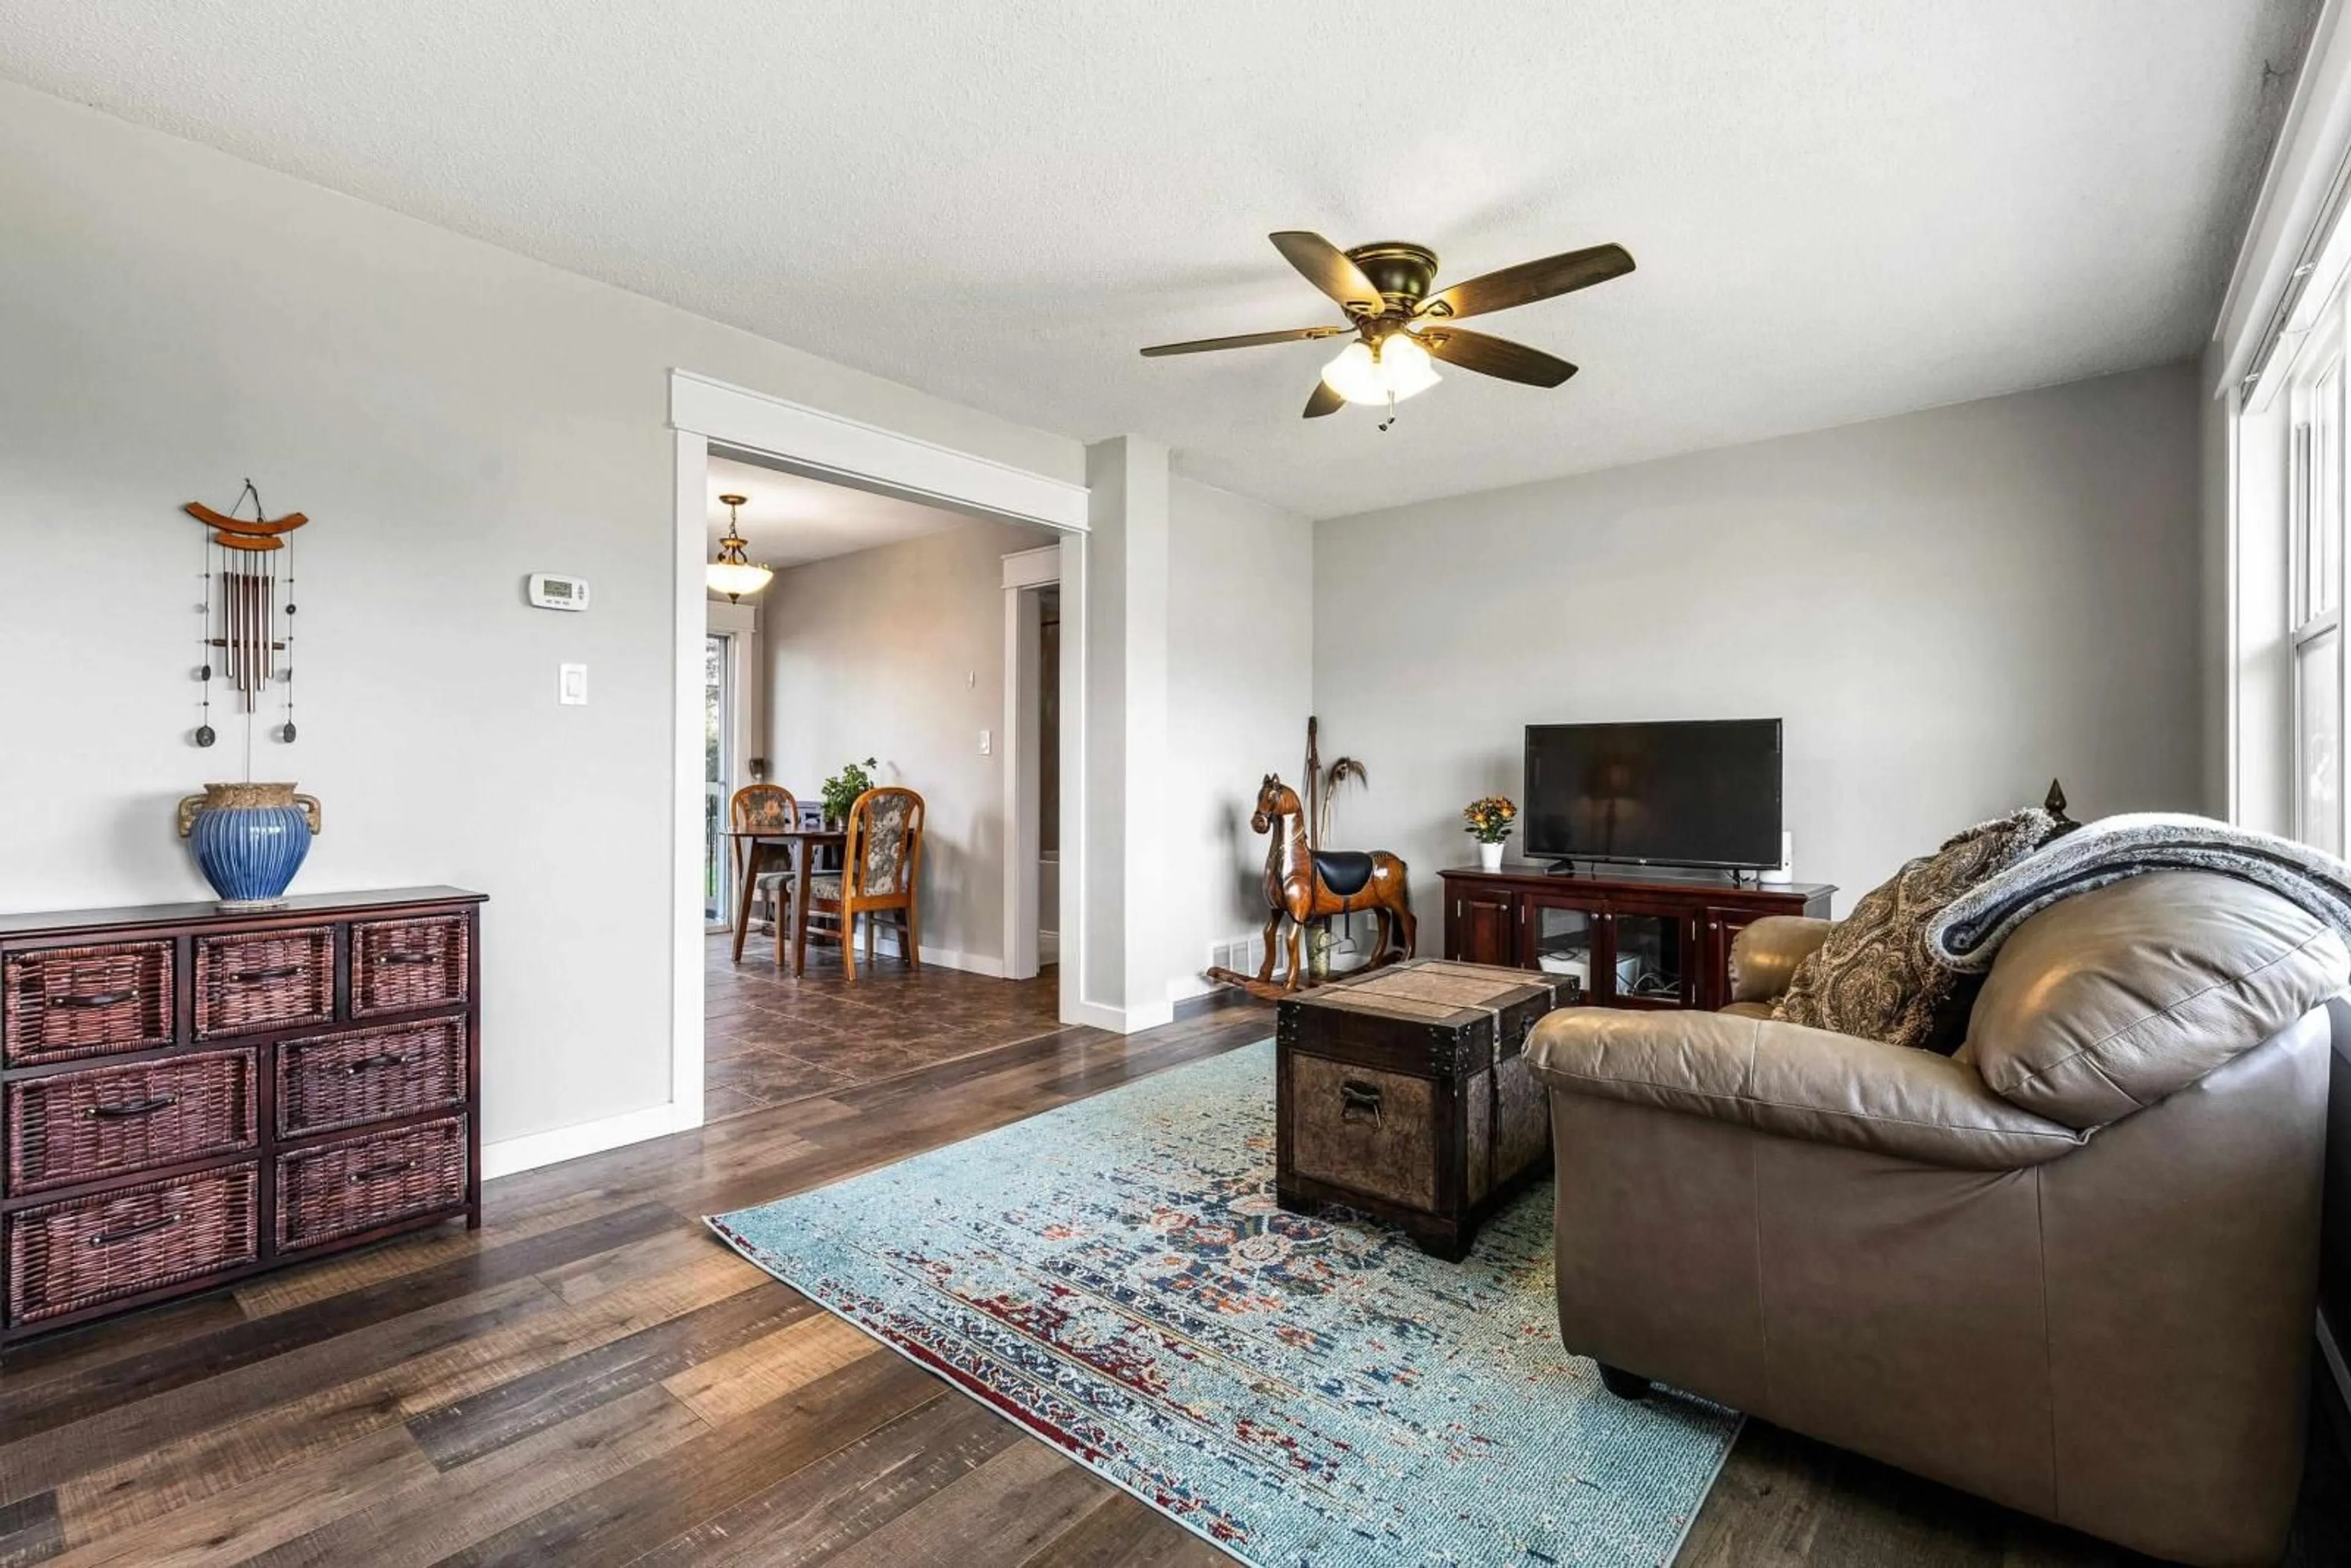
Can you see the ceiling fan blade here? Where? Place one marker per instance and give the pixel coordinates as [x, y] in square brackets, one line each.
[1529, 281]
[1324, 401]
[1326, 267]
[1494, 356]
[1245, 341]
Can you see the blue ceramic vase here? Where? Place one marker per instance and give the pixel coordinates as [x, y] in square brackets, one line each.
[249, 840]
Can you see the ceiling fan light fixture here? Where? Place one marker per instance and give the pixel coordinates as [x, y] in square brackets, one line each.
[732, 573]
[1409, 367]
[1397, 368]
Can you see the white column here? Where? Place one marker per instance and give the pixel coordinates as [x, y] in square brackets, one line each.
[1125, 982]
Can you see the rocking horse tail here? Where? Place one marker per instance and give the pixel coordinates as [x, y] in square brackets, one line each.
[1389, 869]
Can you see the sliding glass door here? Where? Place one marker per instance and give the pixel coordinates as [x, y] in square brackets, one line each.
[718, 767]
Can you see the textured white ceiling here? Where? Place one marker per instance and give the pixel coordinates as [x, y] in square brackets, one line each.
[789, 520]
[1841, 208]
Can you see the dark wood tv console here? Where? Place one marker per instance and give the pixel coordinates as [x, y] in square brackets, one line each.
[1632, 941]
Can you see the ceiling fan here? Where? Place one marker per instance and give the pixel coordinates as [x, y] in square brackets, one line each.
[1399, 326]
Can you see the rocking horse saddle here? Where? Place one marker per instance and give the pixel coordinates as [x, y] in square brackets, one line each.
[1344, 871]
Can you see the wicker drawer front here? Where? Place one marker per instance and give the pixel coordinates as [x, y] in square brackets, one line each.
[369, 1075]
[111, 1121]
[1371, 1132]
[399, 966]
[341, 1189]
[63, 1002]
[281, 980]
[88, 1250]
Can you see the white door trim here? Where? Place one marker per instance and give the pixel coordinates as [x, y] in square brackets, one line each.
[689, 602]
[1033, 568]
[813, 441]
[1025, 572]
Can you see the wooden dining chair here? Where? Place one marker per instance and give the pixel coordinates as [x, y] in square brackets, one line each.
[880, 866]
[764, 808]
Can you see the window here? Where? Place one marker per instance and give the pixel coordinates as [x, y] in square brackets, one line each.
[2314, 499]
[717, 769]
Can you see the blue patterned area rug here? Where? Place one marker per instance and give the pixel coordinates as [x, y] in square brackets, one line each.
[1114, 1276]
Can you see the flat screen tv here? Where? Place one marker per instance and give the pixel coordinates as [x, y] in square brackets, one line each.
[1702, 793]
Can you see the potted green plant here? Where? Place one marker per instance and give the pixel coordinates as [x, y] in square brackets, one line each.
[840, 792]
[1487, 819]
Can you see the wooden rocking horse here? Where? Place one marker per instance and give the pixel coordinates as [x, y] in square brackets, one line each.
[1307, 885]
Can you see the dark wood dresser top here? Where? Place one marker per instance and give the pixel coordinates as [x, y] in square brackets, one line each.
[310, 905]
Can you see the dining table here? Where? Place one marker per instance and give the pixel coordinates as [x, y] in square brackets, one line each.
[781, 849]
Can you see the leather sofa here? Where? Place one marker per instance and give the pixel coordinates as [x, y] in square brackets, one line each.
[2070, 1269]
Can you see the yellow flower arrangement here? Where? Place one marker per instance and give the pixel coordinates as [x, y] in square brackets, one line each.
[1487, 819]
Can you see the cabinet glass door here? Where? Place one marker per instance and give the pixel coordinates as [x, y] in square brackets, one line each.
[1565, 942]
[1651, 958]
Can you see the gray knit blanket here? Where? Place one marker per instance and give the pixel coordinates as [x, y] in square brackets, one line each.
[1968, 933]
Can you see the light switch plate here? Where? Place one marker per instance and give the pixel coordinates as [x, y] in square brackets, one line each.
[986, 743]
[571, 686]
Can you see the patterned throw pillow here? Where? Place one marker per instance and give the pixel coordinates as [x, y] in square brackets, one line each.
[1873, 977]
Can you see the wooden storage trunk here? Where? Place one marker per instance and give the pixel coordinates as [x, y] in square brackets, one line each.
[1404, 1093]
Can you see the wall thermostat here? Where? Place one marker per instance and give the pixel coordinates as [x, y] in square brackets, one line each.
[553, 591]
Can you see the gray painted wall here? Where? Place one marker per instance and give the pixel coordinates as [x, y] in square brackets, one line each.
[1239, 653]
[453, 417]
[898, 653]
[1947, 608]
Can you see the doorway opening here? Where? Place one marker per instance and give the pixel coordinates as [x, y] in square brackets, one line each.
[875, 650]
[1032, 764]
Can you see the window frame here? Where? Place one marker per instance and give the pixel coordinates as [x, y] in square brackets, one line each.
[2317, 488]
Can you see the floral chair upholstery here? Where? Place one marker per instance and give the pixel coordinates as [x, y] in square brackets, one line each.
[764, 808]
[881, 867]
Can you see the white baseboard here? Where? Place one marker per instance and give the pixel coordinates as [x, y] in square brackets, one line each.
[1186, 987]
[510, 1156]
[991, 965]
[886, 944]
[1124, 1021]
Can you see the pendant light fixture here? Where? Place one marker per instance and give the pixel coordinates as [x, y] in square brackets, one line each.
[732, 574]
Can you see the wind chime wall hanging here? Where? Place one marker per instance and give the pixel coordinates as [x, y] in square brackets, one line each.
[248, 611]
[249, 839]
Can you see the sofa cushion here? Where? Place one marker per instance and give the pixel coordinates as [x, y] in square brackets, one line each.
[1765, 953]
[2112, 1000]
[1792, 1082]
[1872, 975]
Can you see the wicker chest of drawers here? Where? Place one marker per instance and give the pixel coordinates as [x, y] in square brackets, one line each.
[187, 1097]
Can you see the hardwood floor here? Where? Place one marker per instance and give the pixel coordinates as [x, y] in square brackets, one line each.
[769, 1038]
[592, 1379]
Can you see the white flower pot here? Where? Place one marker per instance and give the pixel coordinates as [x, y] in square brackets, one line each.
[1489, 856]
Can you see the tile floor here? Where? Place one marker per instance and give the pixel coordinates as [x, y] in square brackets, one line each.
[769, 1038]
